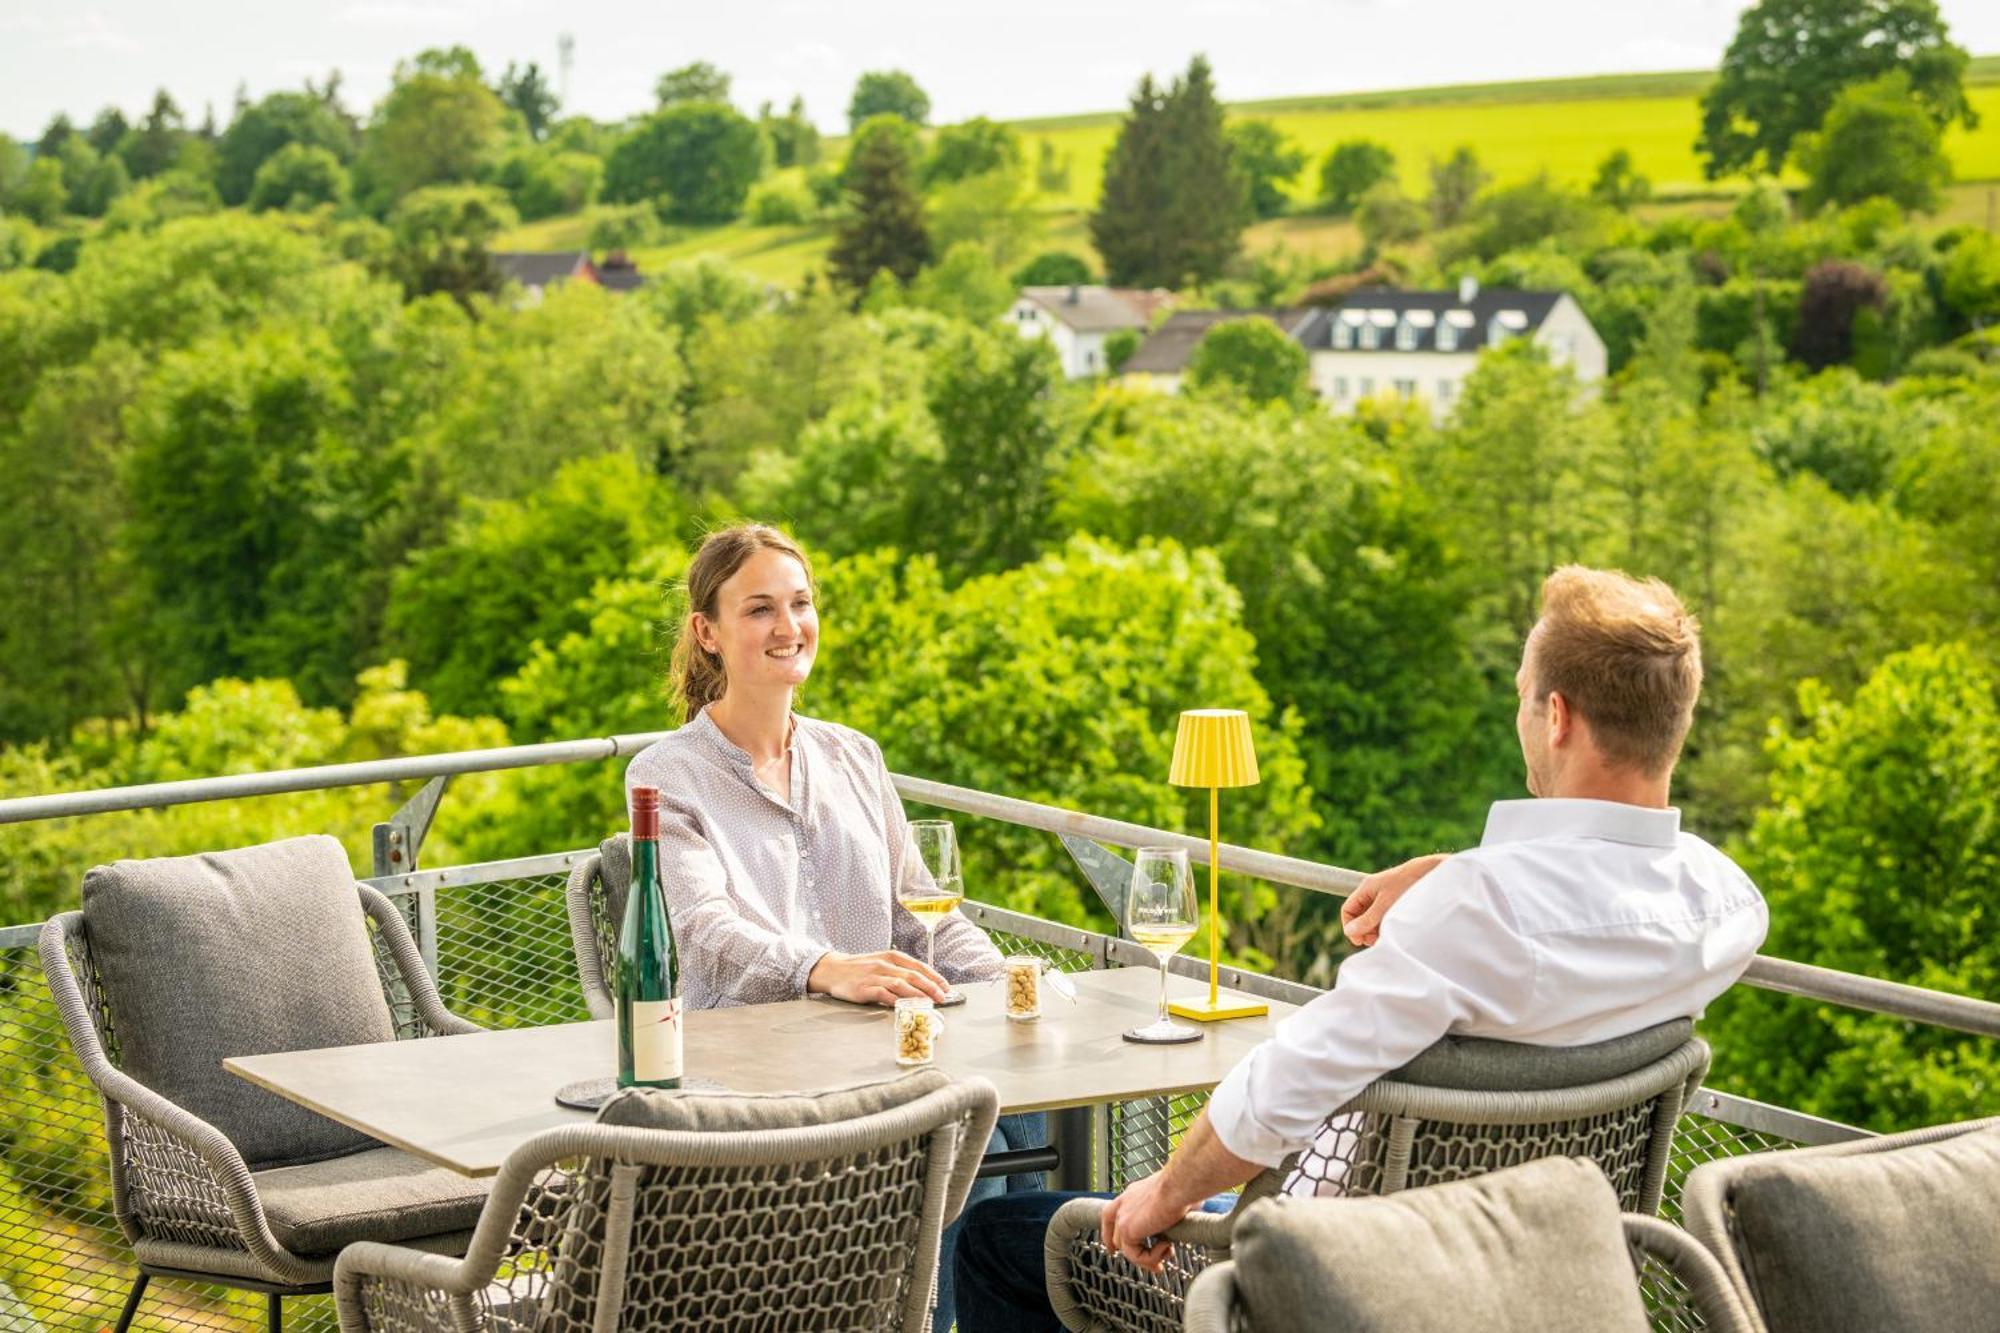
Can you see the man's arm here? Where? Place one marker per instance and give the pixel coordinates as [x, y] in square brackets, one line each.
[1201, 1166]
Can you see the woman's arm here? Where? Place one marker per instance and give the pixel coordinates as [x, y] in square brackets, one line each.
[735, 959]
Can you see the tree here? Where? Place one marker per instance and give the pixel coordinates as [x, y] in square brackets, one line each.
[696, 160]
[696, 82]
[544, 182]
[1790, 59]
[794, 138]
[1455, 183]
[1971, 279]
[1835, 293]
[108, 130]
[887, 93]
[1877, 142]
[155, 144]
[1174, 203]
[298, 177]
[260, 130]
[1053, 268]
[1527, 214]
[439, 124]
[95, 183]
[153, 203]
[1051, 169]
[528, 94]
[1618, 182]
[964, 284]
[970, 148]
[993, 210]
[884, 230]
[1268, 161]
[1387, 216]
[442, 232]
[58, 131]
[43, 196]
[1878, 855]
[1252, 357]
[1351, 170]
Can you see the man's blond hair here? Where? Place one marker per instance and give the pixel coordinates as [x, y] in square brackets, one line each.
[1626, 656]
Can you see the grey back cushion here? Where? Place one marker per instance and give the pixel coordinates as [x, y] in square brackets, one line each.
[615, 869]
[237, 953]
[653, 1108]
[1905, 1239]
[1481, 1064]
[1531, 1249]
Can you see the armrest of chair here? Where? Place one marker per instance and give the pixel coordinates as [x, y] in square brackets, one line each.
[438, 1021]
[1212, 1299]
[409, 1287]
[583, 936]
[1088, 1284]
[1709, 1287]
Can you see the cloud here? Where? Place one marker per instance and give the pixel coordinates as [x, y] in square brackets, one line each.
[91, 31]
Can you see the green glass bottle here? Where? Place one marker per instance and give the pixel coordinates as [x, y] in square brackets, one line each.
[649, 972]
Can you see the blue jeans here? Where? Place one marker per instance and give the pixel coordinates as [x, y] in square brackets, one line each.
[1001, 1261]
[1013, 1132]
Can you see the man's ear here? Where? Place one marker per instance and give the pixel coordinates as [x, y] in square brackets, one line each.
[1561, 721]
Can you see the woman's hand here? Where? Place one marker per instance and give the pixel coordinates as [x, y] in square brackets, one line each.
[874, 978]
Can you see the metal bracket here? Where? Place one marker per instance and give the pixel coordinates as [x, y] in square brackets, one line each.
[396, 845]
[1108, 872]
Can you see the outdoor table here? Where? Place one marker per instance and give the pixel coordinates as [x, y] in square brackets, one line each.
[465, 1102]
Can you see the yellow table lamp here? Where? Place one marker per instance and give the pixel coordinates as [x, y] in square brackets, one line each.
[1213, 750]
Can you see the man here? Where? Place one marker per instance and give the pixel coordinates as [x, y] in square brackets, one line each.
[1583, 915]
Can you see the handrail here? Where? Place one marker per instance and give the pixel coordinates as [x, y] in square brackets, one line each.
[1959, 1012]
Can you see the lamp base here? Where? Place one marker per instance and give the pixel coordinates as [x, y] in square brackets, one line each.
[1224, 1007]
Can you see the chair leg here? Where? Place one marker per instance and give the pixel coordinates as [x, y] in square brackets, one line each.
[277, 1315]
[132, 1302]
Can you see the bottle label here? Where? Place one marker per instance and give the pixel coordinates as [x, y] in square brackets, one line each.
[656, 1040]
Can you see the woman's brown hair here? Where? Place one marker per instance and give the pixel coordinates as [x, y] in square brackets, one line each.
[697, 676]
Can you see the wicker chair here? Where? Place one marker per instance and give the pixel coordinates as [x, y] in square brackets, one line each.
[596, 897]
[1879, 1233]
[227, 1207]
[1539, 1247]
[1463, 1108]
[698, 1212]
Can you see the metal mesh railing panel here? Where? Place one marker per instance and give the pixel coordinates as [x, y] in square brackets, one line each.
[504, 954]
[1144, 1131]
[1699, 1139]
[1055, 955]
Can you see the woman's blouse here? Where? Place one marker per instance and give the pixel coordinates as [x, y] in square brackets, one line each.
[759, 889]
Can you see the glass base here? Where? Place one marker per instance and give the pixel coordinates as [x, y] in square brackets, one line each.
[1163, 1033]
[951, 997]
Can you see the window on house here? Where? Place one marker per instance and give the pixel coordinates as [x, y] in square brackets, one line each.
[1090, 360]
[1339, 387]
[1371, 337]
[1562, 347]
[1343, 335]
[1406, 388]
[1447, 390]
[1367, 387]
[1406, 337]
[1447, 340]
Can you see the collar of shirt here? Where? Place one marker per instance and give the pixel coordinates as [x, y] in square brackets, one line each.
[1554, 817]
[704, 726]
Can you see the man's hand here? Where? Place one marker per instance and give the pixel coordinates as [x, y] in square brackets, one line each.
[874, 978]
[1361, 915]
[1134, 1223]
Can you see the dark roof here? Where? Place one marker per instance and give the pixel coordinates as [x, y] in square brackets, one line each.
[619, 274]
[1473, 318]
[1167, 349]
[1094, 309]
[539, 269]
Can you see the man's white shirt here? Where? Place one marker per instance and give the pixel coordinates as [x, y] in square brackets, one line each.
[1572, 922]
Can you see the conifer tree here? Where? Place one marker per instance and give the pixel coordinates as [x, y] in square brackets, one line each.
[884, 229]
[1174, 203]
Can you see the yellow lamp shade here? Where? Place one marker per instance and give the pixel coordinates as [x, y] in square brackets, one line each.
[1213, 749]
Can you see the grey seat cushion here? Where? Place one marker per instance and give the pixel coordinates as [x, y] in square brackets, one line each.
[652, 1108]
[384, 1195]
[1902, 1239]
[1481, 1064]
[237, 953]
[1537, 1247]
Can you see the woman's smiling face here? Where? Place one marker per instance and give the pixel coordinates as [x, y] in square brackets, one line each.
[765, 627]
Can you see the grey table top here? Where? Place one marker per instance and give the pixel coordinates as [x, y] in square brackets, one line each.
[465, 1102]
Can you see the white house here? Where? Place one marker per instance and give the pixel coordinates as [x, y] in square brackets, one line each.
[1423, 344]
[1077, 319]
[1160, 360]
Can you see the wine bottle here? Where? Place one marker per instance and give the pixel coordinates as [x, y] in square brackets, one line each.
[649, 1006]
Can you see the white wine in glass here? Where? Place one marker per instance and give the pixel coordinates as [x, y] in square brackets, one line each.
[936, 892]
[1162, 916]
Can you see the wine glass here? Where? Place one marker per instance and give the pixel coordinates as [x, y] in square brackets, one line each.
[1160, 913]
[935, 894]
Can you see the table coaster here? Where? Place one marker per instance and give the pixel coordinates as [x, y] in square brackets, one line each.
[590, 1094]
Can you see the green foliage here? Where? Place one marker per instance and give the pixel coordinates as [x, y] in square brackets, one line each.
[1534, 212]
[170, 195]
[1877, 142]
[1253, 358]
[95, 183]
[260, 130]
[298, 177]
[884, 230]
[442, 232]
[1971, 279]
[887, 93]
[1455, 184]
[439, 125]
[1119, 344]
[13, 169]
[683, 294]
[994, 212]
[694, 160]
[1834, 298]
[527, 94]
[44, 195]
[965, 284]
[794, 138]
[1051, 169]
[1618, 183]
[1388, 217]
[1790, 60]
[1268, 160]
[970, 148]
[1878, 854]
[1350, 170]
[623, 226]
[775, 202]
[155, 144]
[696, 82]
[1054, 268]
[1174, 201]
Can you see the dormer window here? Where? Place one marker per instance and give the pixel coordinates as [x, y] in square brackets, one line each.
[1343, 335]
[1504, 325]
[1447, 338]
[1406, 336]
[1371, 337]
[1454, 329]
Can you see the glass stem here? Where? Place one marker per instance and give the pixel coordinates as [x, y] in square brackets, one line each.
[1163, 993]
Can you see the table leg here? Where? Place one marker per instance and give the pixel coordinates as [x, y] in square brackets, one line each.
[1070, 1135]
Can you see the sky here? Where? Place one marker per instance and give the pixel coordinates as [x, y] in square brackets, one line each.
[1009, 59]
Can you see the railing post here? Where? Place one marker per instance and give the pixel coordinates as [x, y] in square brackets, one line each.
[396, 845]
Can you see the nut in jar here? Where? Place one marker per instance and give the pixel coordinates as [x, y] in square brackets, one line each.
[917, 1028]
[1024, 988]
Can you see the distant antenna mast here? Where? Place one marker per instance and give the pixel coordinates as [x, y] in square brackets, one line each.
[565, 57]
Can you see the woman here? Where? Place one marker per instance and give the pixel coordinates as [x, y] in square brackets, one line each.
[781, 837]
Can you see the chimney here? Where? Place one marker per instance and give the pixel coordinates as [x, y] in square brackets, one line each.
[1468, 289]
[1075, 294]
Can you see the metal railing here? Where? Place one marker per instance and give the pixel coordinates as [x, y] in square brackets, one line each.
[496, 937]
